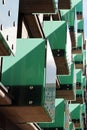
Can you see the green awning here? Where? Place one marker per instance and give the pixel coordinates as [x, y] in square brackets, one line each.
[27, 66]
[59, 116]
[84, 81]
[79, 75]
[66, 88]
[80, 24]
[83, 108]
[78, 57]
[74, 111]
[68, 16]
[80, 92]
[71, 126]
[79, 40]
[53, 31]
[77, 4]
[26, 75]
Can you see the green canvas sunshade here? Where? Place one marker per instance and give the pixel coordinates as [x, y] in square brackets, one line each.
[17, 70]
[80, 25]
[29, 82]
[67, 85]
[78, 78]
[71, 126]
[53, 31]
[69, 16]
[84, 82]
[79, 96]
[77, 4]
[59, 116]
[78, 57]
[83, 108]
[79, 40]
[84, 57]
[75, 112]
[78, 60]
[80, 92]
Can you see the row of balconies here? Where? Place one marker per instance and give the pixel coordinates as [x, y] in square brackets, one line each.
[44, 82]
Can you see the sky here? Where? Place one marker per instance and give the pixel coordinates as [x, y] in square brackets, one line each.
[85, 17]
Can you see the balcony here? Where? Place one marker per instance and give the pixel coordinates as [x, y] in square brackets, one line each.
[79, 45]
[75, 111]
[78, 79]
[67, 88]
[59, 117]
[53, 31]
[28, 77]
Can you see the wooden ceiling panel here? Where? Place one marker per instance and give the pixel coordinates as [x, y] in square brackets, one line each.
[21, 114]
[37, 6]
[64, 4]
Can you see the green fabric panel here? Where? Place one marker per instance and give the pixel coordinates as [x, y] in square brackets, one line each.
[59, 116]
[74, 111]
[78, 75]
[77, 4]
[80, 91]
[79, 40]
[83, 106]
[84, 81]
[53, 31]
[80, 24]
[27, 67]
[67, 79]
[69, 16]
[70, 125]
[78, 57]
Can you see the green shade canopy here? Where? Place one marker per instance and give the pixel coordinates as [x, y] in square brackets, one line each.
[53, 31]
[77, 4]
[84, 81]
[79, 40]
[78, 57]
[59, 116]
[68, 16]
[80, 24]
[79, 75]
[27, 66]
[74, 111]
[80, 92]
[83, 108]
[71, 126]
